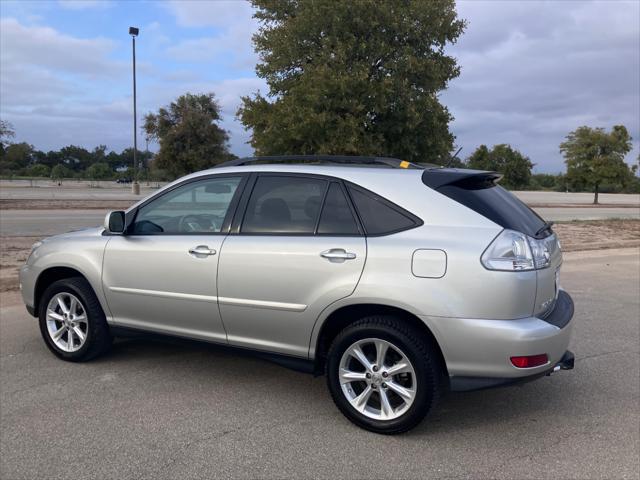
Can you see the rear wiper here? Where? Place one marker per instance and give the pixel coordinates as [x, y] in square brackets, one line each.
[546, 226]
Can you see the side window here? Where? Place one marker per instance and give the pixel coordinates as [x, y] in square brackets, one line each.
[284, 204]
[379, 216]
[336, 215]
[197, 207]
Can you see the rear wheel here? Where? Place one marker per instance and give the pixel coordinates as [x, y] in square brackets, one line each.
[383, 375]
[72, 322]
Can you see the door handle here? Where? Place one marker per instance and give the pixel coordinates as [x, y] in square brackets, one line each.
[202, 250]
[338, 254]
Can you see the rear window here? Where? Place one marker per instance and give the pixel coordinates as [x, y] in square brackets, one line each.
[284, 205]
[496, 204]
[379, 216]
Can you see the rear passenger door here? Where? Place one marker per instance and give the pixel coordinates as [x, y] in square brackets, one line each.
[297, 248]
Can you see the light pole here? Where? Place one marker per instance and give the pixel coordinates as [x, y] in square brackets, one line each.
[135, 186]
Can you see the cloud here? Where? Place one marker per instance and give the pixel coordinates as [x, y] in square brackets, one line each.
[56, 87]
[198, 13]
[44, 47]
[531, 71]
[85, 4]
[230, 41]
[548, 69]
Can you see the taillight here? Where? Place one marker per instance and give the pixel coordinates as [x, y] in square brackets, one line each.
[530, 361]
[515, 251]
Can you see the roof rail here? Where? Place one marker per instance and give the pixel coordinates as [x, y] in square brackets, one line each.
[345, 159]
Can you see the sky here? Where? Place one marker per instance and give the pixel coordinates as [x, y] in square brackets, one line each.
[532, 71]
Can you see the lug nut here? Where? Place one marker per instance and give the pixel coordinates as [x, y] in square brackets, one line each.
[373, 386]
[368, 375]
[385, 374]
[375, 368]
[384, 385]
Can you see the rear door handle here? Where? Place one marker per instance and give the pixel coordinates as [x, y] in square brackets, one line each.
[201, 250]
[338, 254]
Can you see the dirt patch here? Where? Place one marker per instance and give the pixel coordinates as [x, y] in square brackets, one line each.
[13, 254]
[583, 205]
[574, 236]
[598, 234]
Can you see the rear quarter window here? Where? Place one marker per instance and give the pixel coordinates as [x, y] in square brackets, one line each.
[378, 215]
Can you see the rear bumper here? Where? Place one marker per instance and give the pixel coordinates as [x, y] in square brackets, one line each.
[478, 351]
[464, 384]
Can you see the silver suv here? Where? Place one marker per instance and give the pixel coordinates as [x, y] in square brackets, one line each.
[400, 282]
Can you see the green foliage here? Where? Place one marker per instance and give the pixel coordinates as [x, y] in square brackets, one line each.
[189, 135]
[60, 171]
[16, 158]
[358, 77]
[595, 158]
[99, 171]
[22, 158]
[39, 170]
[76, 158]
[126, 160]
[6, 132]
[546, 181]
[508, 161]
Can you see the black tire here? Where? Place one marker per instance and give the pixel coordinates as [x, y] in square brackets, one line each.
[98, 339]
[417, 347]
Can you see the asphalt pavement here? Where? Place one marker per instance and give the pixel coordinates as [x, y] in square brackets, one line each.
[18, 223]
[169, 409]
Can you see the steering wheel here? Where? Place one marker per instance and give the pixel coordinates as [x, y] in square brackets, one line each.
[204, 223]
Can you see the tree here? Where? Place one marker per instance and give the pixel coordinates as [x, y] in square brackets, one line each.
[39, 170]
[6, 132]
[189, 135]
[60, 171]
[143, 158]
[546, 181]
[595, 157]
[513, 165]
[16, 158]
[76, 158]
[99, 171]
[353, 78]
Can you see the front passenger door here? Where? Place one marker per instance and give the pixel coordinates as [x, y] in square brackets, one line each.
[161, 275]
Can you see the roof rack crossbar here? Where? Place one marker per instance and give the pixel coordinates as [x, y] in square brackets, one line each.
[345, 159]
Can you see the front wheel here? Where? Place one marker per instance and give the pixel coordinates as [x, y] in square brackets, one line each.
[383, 375]
[72, 322]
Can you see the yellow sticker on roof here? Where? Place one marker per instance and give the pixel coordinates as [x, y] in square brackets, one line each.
[404, 164]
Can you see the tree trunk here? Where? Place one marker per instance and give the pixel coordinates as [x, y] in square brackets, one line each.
[595, 197]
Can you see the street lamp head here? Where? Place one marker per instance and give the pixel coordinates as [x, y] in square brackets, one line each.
[134, 31]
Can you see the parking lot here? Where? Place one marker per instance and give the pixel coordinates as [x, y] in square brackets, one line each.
[159, 408]
[173, 409]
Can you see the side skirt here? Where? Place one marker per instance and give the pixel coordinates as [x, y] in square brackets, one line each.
[298, 364]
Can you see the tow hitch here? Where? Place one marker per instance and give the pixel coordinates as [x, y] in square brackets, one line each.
[565, 363]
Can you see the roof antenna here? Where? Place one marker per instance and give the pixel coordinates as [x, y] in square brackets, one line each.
[451, 159]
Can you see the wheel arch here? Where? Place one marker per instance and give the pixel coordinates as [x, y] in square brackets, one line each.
[53, 274]
[344, 316]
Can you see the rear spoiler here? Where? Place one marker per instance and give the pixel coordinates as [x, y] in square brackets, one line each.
[460, 177]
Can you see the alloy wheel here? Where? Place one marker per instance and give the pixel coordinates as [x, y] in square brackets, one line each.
[377, 379]
[67, 322]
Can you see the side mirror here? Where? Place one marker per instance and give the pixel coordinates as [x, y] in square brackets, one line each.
[114, 222]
